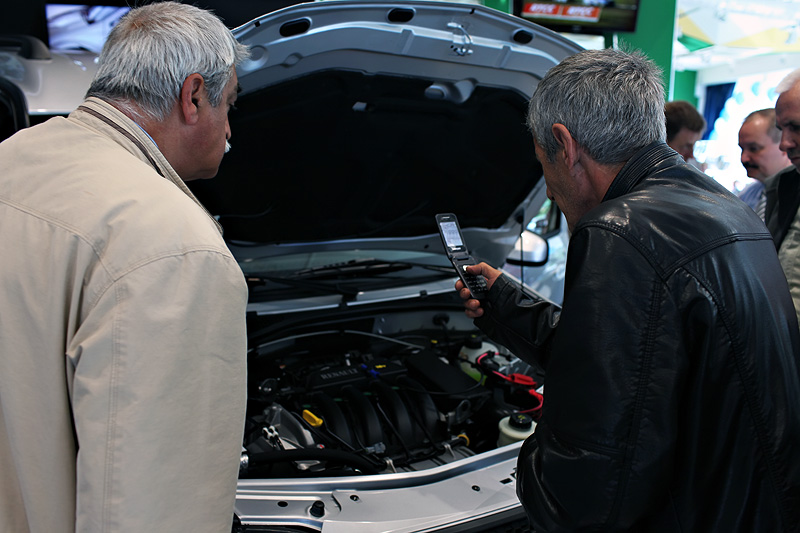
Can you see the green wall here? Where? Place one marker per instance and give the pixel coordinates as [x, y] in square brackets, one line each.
[654, 35]
[684, 85]
[506, 6]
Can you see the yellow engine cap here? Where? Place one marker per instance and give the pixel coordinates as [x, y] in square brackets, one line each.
[311, 418]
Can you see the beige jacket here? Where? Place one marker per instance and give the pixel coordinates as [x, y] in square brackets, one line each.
[122, 337]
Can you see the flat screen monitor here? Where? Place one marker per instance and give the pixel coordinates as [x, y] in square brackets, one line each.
[580, 16]
[80, 27]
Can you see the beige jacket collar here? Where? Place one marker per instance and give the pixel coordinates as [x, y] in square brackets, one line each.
[108, 120]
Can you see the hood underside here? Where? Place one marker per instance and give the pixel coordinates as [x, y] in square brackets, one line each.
[361, 121]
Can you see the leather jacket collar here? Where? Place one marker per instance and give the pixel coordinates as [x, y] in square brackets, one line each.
[637, 167]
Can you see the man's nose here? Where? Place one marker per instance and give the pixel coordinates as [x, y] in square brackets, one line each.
[787, 143]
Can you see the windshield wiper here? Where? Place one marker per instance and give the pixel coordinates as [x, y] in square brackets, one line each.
[352, 268]
[347, 293]
[325, 278]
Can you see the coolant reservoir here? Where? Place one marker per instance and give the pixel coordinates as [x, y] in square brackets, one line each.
[468, 354]
[515, 427]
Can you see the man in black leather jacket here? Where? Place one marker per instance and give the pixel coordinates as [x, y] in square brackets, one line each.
[672, 389]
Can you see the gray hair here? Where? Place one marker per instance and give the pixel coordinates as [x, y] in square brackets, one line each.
[788, 81]
[153, 49]
[611, 101]
[768, 115]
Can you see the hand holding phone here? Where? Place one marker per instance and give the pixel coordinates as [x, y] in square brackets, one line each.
[457, 252]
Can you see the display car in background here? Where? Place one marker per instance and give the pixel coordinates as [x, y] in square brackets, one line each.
[37, 83]
[375, 404]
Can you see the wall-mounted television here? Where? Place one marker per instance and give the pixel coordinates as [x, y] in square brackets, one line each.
[580, 16]
[80, 27]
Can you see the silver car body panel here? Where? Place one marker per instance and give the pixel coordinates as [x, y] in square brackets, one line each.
[472, 488]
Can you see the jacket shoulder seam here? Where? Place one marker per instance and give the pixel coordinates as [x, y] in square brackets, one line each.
[116, 278]
[667, 270]
[113, 277]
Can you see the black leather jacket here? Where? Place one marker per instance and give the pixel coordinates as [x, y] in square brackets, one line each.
[783, 200]
[672, 389]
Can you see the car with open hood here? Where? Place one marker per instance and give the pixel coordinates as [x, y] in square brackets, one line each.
[375, 404]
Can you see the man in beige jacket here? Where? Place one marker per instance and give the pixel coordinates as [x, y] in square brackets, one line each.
[122, 328]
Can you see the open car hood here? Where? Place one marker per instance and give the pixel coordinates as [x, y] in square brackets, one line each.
[358, 121]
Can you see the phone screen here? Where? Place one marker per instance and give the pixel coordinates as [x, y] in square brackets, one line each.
[451, 235]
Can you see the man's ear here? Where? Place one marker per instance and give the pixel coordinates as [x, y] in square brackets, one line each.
[191, 97]
[567, 142]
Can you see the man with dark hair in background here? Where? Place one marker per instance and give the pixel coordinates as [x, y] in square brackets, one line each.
[685, 126]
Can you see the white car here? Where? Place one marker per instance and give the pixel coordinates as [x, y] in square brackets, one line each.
[41, 81]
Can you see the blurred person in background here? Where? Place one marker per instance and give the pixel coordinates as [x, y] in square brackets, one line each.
[759, 139]
[685, 126]
[783, 189]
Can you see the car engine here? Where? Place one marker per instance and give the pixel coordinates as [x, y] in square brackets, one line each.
[374, 393]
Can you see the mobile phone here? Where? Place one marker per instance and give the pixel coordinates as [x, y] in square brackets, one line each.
[458, 253]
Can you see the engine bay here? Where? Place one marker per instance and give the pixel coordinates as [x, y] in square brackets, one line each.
[393, 390]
